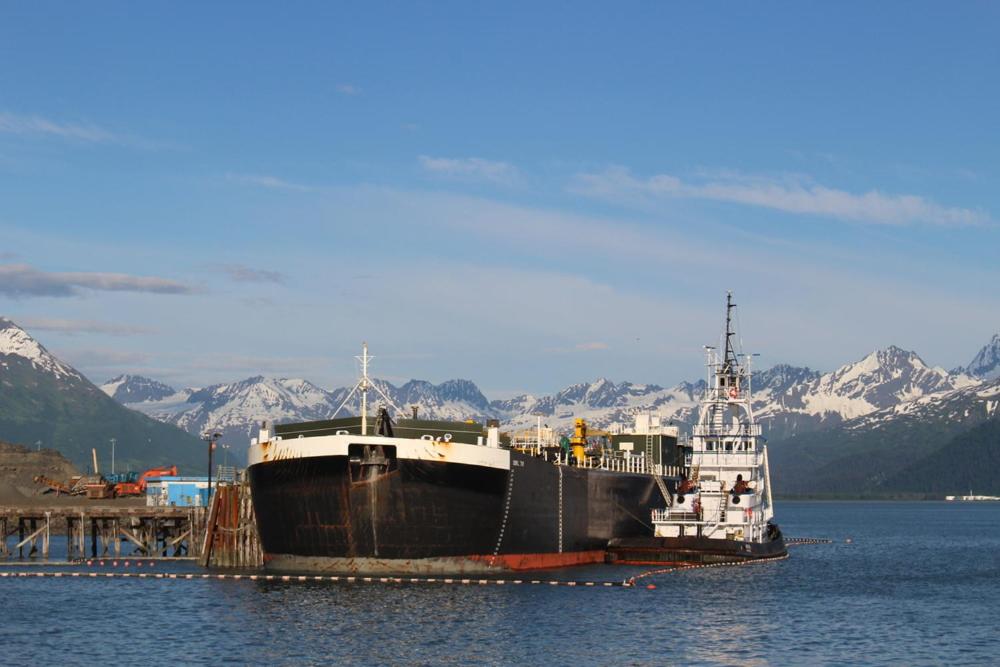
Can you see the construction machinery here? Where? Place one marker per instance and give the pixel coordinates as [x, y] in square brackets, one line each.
[137, 487]
[71, 488]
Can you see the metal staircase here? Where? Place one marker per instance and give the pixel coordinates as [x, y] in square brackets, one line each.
[650, 465]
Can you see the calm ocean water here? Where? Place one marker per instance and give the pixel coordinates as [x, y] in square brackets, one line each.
[919, 584]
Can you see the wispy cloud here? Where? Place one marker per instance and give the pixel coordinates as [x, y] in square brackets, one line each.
[21, 280]
[81, 326]
[348, 89]
[88, 133]
[249, 274]
[90, 359]
[17, 124]
[791, 194]
[472, 169]
[269, 182]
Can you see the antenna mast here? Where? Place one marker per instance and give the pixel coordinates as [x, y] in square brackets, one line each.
[729, 361]
[364, 384]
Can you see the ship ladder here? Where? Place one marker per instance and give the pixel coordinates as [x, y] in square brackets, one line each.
[695, 474]
[723, 504]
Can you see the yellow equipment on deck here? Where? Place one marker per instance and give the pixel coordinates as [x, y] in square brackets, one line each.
[579, 439]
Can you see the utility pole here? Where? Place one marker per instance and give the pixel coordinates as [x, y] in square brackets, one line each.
[210, 439]
[113, 441]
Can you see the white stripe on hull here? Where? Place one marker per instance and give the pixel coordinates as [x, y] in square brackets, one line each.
[406, 448]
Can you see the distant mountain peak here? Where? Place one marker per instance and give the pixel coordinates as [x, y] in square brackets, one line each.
[893, 356]
[16, 342]
[136, 389]
[986, 364]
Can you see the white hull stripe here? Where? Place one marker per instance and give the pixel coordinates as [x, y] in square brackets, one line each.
[406, 448]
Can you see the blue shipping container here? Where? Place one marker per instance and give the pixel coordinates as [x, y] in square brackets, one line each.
[177, 492]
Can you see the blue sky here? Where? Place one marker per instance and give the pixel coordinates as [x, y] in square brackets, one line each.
[524, 196]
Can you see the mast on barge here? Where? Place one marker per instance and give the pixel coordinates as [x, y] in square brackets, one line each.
[363, 385]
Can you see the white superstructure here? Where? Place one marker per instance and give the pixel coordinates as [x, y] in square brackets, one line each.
[727, 491]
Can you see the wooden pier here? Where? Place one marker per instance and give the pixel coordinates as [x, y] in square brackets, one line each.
[224, 535]
[162, 532]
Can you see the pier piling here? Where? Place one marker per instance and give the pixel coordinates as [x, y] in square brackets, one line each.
[164, 532]
[231, 538]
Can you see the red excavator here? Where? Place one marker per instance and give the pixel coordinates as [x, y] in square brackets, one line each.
[138, 487]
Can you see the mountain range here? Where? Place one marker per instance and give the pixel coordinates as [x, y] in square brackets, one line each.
[863, 428]
[788, 399]
[822, 426]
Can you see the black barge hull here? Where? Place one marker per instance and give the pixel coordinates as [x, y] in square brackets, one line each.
[323, 514]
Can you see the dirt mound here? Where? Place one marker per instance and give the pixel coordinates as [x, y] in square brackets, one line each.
[19, 465]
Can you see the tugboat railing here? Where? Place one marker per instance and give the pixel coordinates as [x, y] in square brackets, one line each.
[741, 431]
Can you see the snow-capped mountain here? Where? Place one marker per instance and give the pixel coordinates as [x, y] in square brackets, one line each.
[787, 399]
[601, 403]
[872, 453]
[136, 388]
[453, 399]
[17, 346]
[239, 405]
[46, 401]
[986, 364]
[883, 379]
[970, 403]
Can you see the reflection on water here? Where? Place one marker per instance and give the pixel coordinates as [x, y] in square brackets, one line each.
[920, 584]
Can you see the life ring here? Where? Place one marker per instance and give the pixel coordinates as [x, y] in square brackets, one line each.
[736, 499]
[680, 499]
[734, 393]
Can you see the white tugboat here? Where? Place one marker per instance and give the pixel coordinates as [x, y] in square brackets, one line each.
[722, 509]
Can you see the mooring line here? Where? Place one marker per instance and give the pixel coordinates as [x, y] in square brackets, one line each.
[627, 583]
[793, 541]
[303, 578]
[699, 566]
[790, 541]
